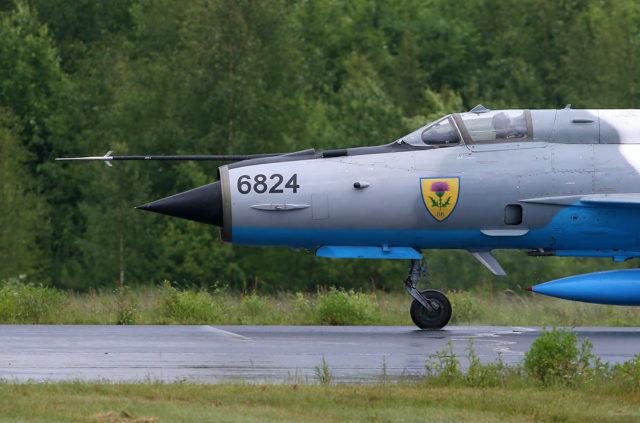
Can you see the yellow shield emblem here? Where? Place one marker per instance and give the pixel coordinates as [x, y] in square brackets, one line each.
[440, 196]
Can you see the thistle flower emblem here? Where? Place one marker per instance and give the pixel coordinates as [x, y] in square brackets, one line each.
[440, 195]
[440, 188]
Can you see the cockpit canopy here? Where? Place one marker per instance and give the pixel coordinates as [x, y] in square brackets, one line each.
[482, 127]
[442, 132]
[565, 126]
[503, 125]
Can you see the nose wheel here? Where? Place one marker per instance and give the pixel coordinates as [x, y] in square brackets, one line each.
[430, 309]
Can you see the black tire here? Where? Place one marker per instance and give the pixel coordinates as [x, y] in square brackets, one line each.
[435, 320]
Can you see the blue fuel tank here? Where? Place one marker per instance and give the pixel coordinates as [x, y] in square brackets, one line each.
[616, 287]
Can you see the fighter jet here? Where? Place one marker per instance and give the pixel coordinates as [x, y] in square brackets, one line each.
[553, 182]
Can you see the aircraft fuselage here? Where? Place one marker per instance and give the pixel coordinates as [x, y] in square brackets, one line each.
[541, 183]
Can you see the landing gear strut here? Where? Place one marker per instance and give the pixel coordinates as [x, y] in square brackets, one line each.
[430, 309]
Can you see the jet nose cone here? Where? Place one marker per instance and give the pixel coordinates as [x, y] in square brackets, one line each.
[203, 204]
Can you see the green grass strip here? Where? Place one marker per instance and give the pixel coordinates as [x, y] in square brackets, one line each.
[84, 402]
[29, 303]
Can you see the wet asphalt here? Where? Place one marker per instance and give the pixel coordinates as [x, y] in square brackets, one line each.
[263, 354]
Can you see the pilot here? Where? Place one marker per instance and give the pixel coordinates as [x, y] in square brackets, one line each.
[519, 126]
[501, 123]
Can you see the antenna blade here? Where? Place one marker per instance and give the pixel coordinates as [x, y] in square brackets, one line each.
[489, 261]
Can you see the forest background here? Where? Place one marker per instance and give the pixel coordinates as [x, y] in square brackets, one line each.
[81, 77]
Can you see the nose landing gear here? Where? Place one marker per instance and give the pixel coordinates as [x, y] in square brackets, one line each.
[430, 309]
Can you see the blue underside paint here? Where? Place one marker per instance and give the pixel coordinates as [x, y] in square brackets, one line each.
[616, 287]
[368, 252]
[578, 230]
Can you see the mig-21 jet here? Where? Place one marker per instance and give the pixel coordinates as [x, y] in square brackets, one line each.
[553, 182]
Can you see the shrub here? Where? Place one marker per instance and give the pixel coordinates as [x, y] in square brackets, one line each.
[627, 374]
[464, 307]
[27, 303]
[444, 367]
[340, 307]
[255, 309]
[558, 356]
[304, 310]
[186, 307]
[254, 305]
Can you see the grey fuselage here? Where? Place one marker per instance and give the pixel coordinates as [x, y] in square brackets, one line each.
[565, 184]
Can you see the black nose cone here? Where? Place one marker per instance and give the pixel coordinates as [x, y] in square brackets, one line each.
[203, 204]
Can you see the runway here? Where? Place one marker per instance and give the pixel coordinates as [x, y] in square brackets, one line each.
[262, 354]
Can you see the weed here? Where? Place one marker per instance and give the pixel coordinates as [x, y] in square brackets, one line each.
[465, 308]
[384, 377]
[126, 306]
[167, 300]
[185, 307]
[255, 309]
[304, 308]
[27, 303]
[627, 374]
[487, 375]
[556, 359]
[557, 356]
[444, 365]
[21, 302]
[323, 373]
[340, 307]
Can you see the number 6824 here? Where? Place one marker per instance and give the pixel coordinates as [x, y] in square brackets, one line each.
[272, 184]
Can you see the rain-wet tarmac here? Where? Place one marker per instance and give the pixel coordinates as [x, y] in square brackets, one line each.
[263, 354]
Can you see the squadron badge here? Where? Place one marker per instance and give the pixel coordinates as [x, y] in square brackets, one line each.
[440, 196]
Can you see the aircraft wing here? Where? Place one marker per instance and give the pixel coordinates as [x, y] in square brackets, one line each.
[631, 199]
[624, 200]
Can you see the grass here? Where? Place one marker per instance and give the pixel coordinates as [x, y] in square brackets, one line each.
[28, 304]
[150, 402]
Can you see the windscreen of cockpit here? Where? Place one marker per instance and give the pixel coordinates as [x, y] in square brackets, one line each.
[441, 133]
[498, 126]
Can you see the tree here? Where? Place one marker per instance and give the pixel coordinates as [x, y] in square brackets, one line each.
[603, 55]
[23, 213]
